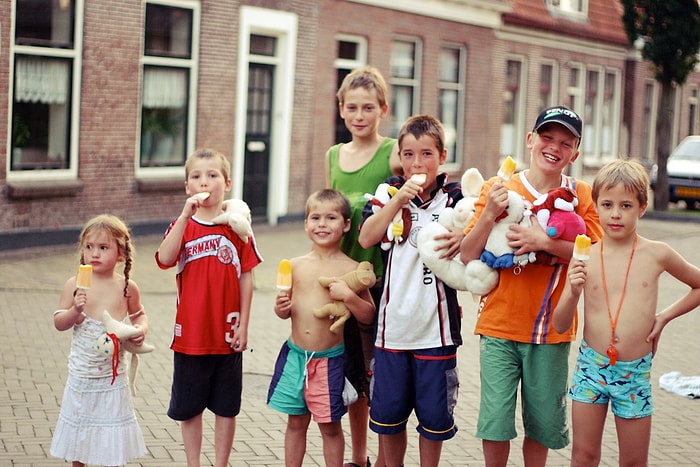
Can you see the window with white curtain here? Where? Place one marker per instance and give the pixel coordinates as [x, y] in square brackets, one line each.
[568, 7]
[44, 58]
[405, 81]
[512, 137]
[548, 86]
[451, 98]
[166, 92]
[649, 121]
[693, 111]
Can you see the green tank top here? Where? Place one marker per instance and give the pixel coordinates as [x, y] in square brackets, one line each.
[354, 185]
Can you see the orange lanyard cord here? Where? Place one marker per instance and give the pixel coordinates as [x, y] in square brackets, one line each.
[613, 321]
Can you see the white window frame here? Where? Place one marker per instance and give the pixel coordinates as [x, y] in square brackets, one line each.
[569, 7]
[616, 112]
[283, 26]
[413, 83]
[453, 162]
[693, 110]
[191, 64]
[592, 151]
[513, 143]
[75, 54]
[361, 58]
[650, 132]
[554, 91]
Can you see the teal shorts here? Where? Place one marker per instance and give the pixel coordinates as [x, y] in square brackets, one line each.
[541, 370]
[309, 382]
[625, 385]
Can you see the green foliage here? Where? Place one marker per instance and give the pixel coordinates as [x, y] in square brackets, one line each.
[161, 122]
[20, 132]
[670, 31]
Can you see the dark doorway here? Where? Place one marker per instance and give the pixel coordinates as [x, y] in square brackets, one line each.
[256, 171]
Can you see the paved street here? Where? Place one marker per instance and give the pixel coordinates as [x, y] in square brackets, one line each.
[33, 357]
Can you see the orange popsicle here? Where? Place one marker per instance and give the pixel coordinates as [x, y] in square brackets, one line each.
[284, 275]
[84, 278]
[507, 169]
[582, 248]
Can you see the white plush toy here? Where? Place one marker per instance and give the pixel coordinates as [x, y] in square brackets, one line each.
[236, 213]
[451, 272]
[478, 276]
[482, 274]
[122, 332]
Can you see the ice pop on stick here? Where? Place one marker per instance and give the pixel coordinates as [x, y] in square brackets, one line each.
[284, 275]
[582, 248]
[507, 169]
[84, 278]
[419, 178]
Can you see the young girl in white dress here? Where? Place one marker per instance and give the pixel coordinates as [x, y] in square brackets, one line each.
[97, 424]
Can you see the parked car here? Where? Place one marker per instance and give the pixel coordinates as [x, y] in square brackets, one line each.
[683, 168]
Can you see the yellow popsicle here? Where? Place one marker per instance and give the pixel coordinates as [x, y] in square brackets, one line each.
[84, 278]
[284, 275]
[582, 248]
[507, 169]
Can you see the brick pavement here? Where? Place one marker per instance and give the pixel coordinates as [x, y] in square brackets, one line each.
[34, 355]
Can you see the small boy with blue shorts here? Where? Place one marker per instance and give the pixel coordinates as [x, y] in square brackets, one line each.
[419, 319]
[309, 375]
[620, 281]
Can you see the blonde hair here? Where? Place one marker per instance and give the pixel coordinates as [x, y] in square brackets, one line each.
[118, 231]
[328, 195]
[206, 153]
[628, 172]
[420, 125]
[367, 77]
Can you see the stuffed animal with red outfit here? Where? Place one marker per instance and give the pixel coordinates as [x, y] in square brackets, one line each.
[556, 213]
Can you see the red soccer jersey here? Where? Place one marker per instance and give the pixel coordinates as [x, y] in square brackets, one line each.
[212, 258]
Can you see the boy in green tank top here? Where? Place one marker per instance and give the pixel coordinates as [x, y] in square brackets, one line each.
[356, 168]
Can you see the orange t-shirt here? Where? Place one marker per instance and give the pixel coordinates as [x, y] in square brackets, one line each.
[520, 307]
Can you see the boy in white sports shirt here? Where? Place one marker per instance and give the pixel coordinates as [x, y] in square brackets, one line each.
[419, 319]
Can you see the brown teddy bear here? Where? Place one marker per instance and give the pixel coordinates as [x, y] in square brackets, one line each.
[358, 280]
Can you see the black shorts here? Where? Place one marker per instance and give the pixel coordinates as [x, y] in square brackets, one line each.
[201, 382]
[359, 348]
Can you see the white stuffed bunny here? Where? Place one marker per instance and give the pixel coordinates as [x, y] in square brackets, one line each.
[236, 213]
[451, 272]
[478, 276]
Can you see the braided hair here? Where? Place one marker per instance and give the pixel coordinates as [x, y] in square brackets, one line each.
[116, 229]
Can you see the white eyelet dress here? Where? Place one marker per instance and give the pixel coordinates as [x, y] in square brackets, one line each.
[97, 424]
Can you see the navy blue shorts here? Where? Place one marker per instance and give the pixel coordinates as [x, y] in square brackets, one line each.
[201, 382]
[422, 380]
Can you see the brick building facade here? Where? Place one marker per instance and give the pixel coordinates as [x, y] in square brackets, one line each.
[102, 101]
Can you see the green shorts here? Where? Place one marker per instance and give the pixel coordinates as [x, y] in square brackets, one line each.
[542, 370]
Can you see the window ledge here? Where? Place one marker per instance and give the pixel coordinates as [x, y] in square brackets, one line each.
[44, 189]
[149, 185]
